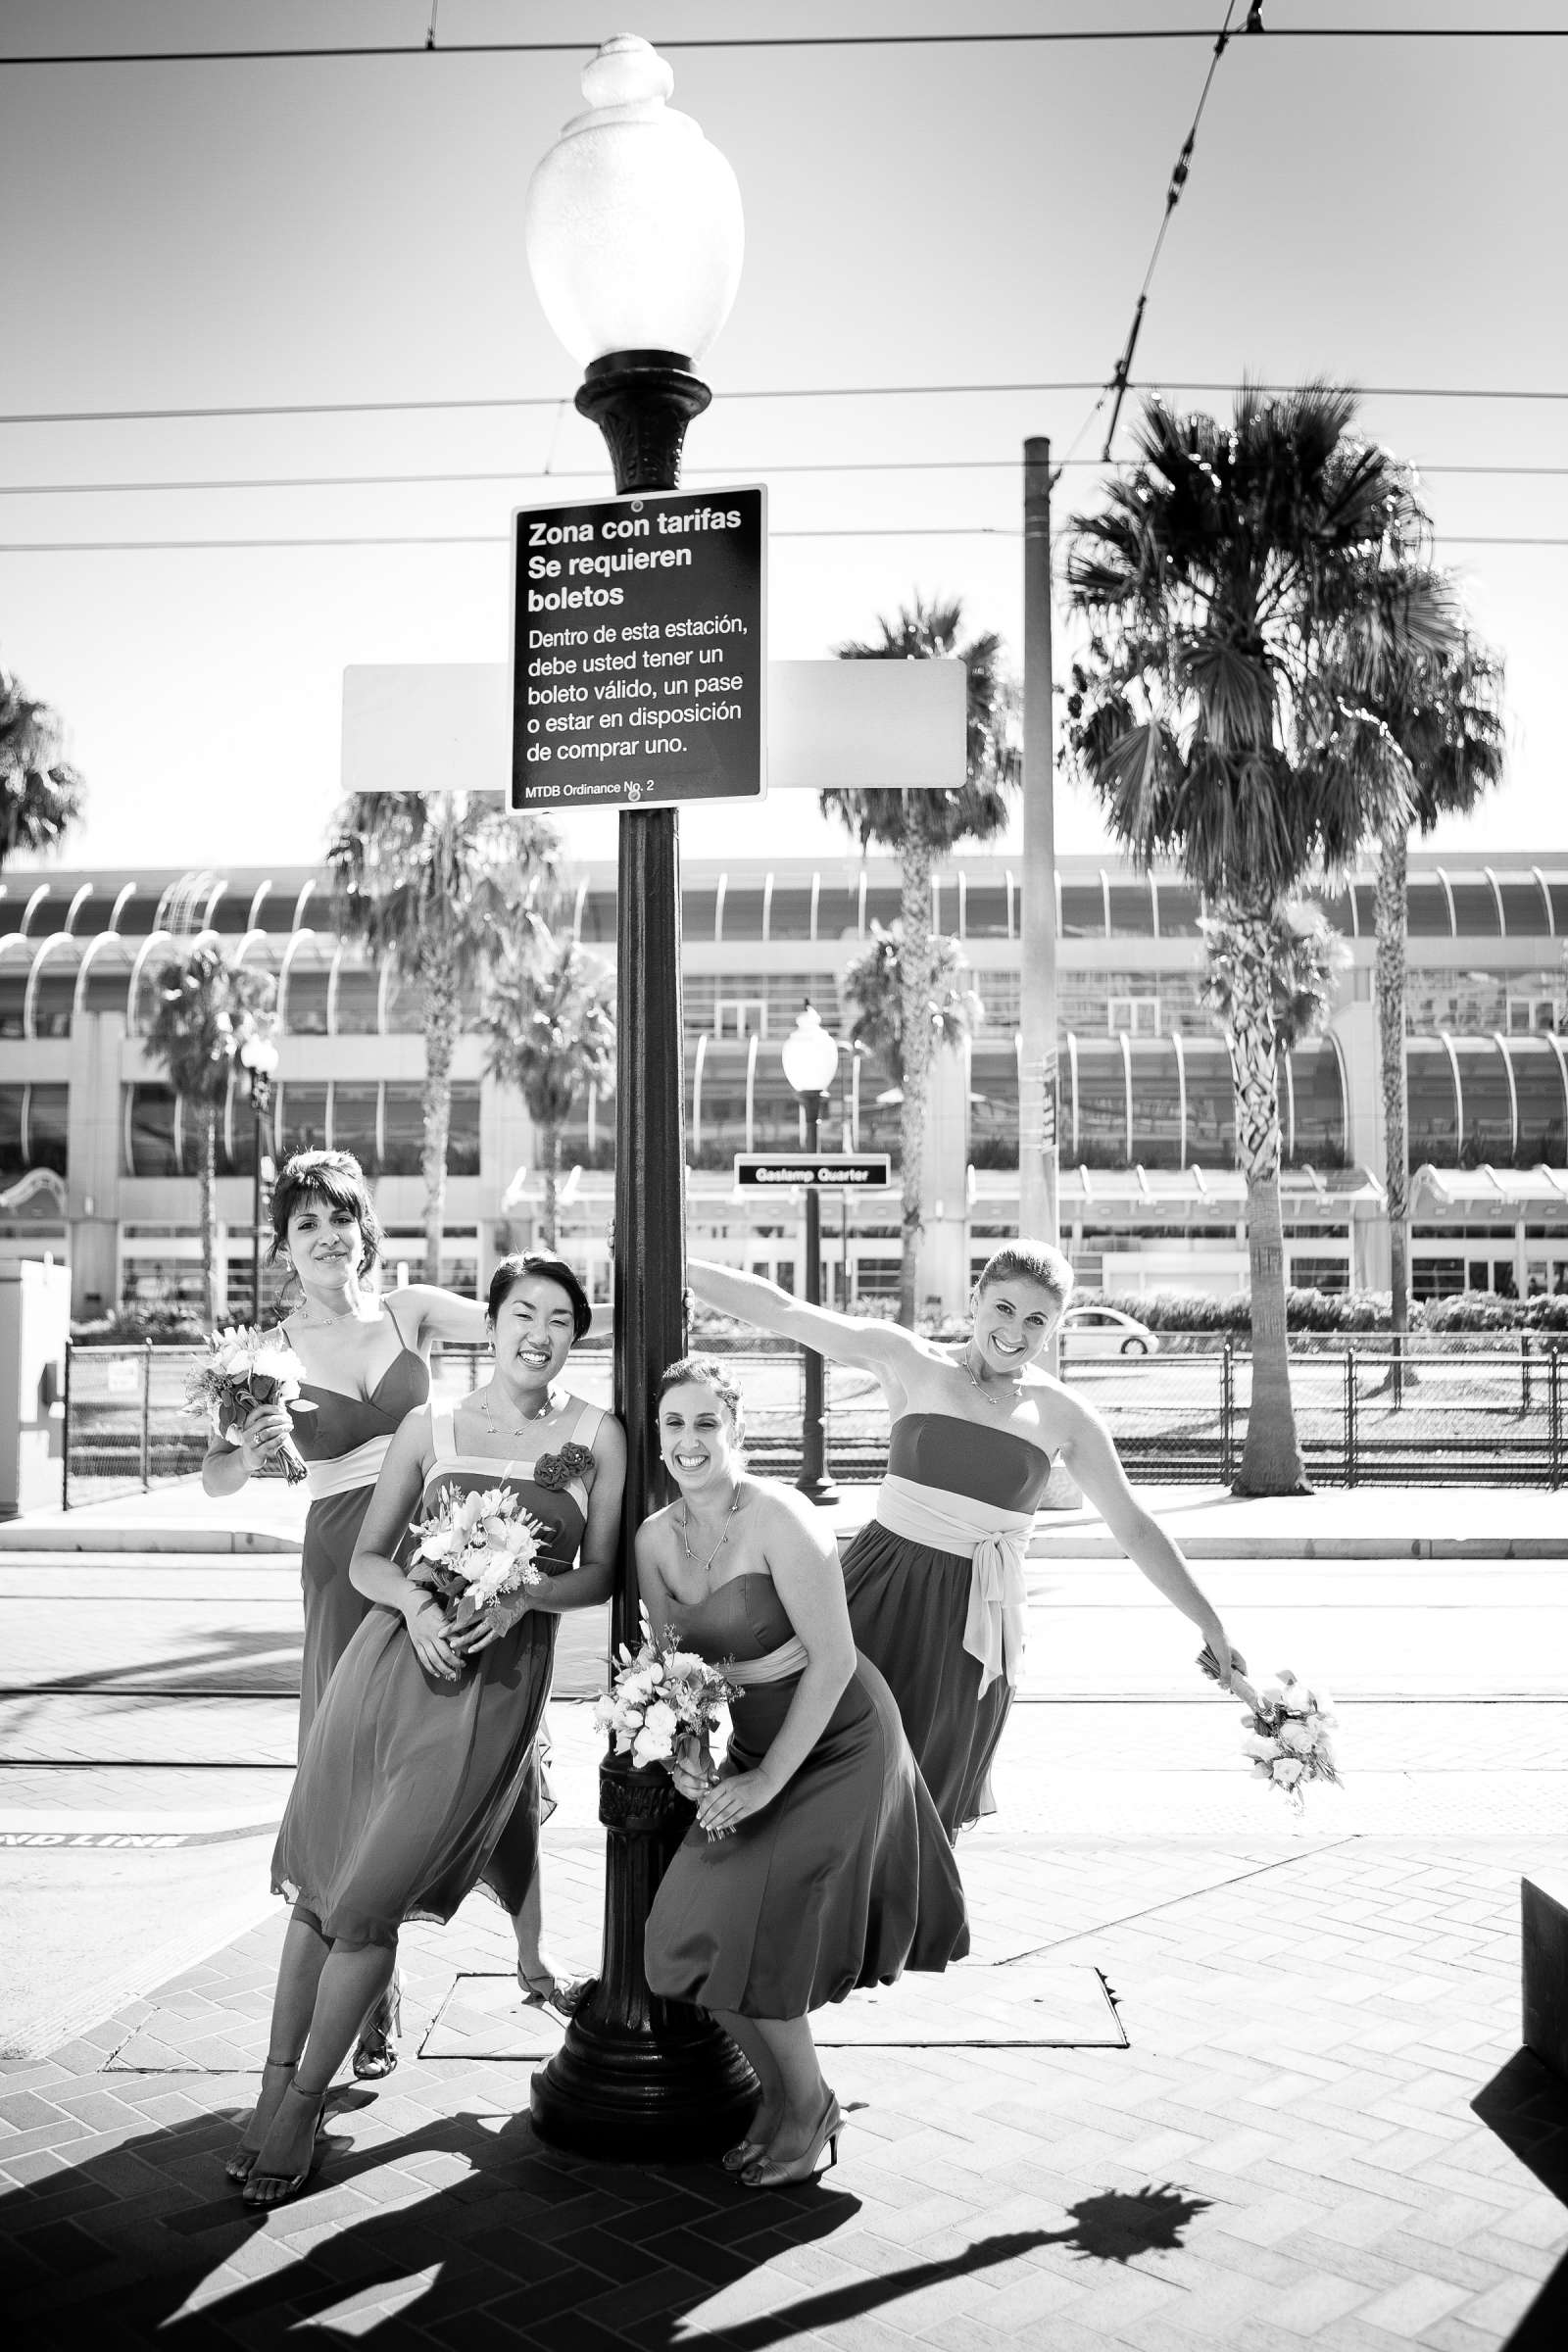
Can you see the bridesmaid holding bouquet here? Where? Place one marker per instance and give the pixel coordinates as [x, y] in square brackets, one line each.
[936, 1579]
[406, 1794]
[816, 1863]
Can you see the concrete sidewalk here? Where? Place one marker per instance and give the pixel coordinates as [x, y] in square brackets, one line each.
[1431, 1522]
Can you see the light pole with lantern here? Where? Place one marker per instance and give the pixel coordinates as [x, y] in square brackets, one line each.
[634, 235]
[259, 1058]
[810, 1058]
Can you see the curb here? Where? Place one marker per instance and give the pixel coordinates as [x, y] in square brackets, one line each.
[140, 1538]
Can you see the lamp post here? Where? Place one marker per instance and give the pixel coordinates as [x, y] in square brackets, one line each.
[259, 1059]
[633, 231]
[810, 1058]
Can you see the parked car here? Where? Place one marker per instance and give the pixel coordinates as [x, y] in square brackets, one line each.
[1105, 1331]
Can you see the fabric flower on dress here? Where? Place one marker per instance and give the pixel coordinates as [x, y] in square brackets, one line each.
[557, 1470]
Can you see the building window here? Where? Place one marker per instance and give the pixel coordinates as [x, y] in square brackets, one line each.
[149, 1132]
[1157, 1104]
[1319, 1127]
[13, 1161]
[1135, 1017]
[47, 1112]
[354, 1123]
[1528, 1013]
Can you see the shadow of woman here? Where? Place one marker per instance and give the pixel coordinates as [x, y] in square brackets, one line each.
[471, 2214]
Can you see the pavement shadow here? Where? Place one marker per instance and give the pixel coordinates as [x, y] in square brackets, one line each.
[232, 1654]
[1526, 2106]
[508, 2241]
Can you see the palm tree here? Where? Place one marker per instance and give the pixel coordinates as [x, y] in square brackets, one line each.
[432, 882]
[1206, 719]
[872, 986]
[40, 793]
[549, 1018]
[200, 1016]
[1443, 711]
[919, 828]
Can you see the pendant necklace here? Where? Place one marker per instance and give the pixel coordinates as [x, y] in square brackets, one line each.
[517, 1429]
[722, 1541]
[997, 1403]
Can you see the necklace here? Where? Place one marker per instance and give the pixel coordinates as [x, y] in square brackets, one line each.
[685, 1528]
[515, 1429]
[997, 1404]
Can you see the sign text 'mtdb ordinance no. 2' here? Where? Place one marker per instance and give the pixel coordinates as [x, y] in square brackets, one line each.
[639, 657]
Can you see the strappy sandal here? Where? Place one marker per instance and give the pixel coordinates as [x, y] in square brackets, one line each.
[563, 1994]
[291, 2184]
[241, 2158]
[375, 2054]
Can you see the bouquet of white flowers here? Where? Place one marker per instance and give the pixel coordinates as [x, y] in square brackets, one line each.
[245, 1368]
[478, 1553]
[1287, 1736]
[664, 1703]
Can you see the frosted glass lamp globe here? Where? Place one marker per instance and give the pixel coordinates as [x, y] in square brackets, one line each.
[811, 1056]
[633, 222]
[259, 1055]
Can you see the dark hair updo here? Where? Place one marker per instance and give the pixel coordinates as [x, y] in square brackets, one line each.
[524, 1263]
[336, 1181]
[709, 1373]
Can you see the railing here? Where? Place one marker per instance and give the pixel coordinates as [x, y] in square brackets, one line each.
[1368, 1412]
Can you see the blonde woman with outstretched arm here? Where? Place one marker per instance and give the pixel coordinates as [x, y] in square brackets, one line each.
[935, 1580]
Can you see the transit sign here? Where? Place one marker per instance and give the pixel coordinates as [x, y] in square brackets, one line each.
[639, 656]
[824, 1171]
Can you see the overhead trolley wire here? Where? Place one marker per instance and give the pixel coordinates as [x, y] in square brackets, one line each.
[1066, 36]
[553, 400]
[875, 530]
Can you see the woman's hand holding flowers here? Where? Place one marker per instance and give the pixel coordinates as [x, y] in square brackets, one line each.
[732, 1799]
[427, 1622]
[265, 1427]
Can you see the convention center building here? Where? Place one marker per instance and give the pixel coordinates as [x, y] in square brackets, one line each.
[96, 1153]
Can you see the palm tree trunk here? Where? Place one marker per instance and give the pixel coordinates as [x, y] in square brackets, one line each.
[207, 1172]
[1271, 1461]
[914, 859]
[1393, 864]
[550, 1138]
[441, 1019]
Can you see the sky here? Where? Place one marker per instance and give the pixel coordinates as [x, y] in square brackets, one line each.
[1383, 212]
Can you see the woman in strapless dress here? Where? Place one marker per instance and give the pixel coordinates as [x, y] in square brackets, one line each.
[935, 1580]
[816, 1863]
[406, 1794]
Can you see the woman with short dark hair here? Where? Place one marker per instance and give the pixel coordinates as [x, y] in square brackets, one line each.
[406, 1794]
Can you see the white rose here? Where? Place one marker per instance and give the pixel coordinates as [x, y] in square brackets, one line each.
[435, 1546]
[656, 1741]
[1296, 1738]
[1288, 1770]
[1263, 1749]
[604, 1713]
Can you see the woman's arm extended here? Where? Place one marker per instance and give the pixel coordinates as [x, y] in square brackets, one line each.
[1093, 1461]
[374, 1572]
[423, 1313]
[804, 1562]
[878, 1347]
[591, 1581]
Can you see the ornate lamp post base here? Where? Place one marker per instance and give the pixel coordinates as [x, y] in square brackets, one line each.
[637, 2078]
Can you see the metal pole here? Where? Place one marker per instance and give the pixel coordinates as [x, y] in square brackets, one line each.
[1227, 1410]
[638, 2077]
[256, 1202]
[1039, 1166]
[813, 1482]
[65, 1439]
[146, 1415]
[1350, 1417]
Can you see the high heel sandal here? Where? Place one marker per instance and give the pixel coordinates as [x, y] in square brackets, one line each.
[768, 2175]
[291, 2183]
[745, 2152]
[241, 2158]
[375, 2054]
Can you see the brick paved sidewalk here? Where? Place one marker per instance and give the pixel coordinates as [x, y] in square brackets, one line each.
[1322, 2132]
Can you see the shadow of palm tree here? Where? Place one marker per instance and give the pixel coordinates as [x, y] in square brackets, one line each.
[1526, 2106]
[483, 2219]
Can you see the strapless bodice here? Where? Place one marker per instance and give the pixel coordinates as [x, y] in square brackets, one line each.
[744, 1618]
[967, 1457]
[340, 1422]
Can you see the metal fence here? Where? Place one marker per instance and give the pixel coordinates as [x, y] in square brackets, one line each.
[1368, 1414]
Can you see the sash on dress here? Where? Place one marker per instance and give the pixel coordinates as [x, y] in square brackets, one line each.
[774, 1665]
[995, 1541]
[361, 1466]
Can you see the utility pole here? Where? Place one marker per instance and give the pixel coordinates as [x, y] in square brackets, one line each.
[1038, 1213]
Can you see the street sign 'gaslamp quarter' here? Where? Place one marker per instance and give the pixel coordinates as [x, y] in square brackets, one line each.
[634, 236]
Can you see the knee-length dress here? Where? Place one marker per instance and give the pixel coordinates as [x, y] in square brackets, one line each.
[344, 1442]
[411, 1790]
[845, 1880]
[936, 1593]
